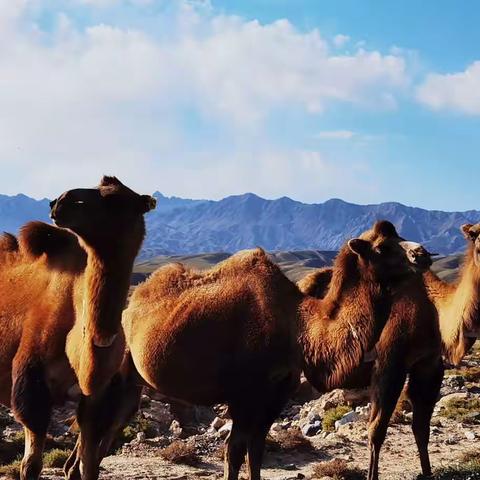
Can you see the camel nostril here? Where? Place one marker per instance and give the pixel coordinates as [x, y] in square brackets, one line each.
[52, 203]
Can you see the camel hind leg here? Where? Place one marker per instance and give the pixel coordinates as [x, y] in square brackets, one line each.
[387, 384]
[423, 389]
[32, 406]
[269, 407]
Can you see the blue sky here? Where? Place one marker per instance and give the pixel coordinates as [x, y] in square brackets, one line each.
[367, 101]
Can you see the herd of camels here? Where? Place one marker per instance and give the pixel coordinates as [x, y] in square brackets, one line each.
[240, 333]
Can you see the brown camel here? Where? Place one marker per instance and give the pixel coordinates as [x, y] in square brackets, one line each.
[428, 318]
[241, 333]
[63, 291]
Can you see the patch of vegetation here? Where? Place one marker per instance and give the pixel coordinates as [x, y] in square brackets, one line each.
[338, 470]
[470, 374]
[55, 458]
[463, 410]
[5, 418]
[288, 441]
[468, 468]
[180, 451]
[11, 471]
[137, 425]
[332, 415]
[12, 448]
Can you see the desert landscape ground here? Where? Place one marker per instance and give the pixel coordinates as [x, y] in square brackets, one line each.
[317, 437]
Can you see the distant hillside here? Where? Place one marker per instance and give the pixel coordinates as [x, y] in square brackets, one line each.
[185, 227]
[294, 264]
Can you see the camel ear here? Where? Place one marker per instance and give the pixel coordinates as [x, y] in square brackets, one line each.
[148, 203]
[359, 247]
[469, 232]
[385, 228]
[108, 181]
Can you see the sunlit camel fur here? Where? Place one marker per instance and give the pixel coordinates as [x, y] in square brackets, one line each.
[429, 318]
[63, 292]
[241, 333]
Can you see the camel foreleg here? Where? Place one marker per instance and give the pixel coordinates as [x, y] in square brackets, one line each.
[387, 384]
[100, 417]
[423, 389]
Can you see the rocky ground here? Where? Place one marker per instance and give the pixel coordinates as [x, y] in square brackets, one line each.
[323, 438]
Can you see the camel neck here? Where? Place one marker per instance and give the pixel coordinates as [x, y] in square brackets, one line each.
[458, 309]
[106, 283]
[340, 329]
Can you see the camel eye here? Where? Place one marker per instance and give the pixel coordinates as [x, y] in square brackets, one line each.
[79, 202]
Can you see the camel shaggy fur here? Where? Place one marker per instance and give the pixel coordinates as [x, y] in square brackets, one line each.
[429, 318]
[63, 292]
[241, 333]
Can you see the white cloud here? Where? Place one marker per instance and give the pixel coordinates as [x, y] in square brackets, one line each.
[340, 40]
[456, 91]
[77, 102]
[336, 134]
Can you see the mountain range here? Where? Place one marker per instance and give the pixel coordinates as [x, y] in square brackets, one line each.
[184, 226]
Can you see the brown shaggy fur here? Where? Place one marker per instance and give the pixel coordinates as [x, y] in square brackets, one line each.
[238, 333]
[428, 317]
[62, 294]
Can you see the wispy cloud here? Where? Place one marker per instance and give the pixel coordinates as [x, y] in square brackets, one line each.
[336, 134]
[340, 40]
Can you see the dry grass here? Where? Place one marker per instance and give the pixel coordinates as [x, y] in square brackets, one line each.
[180, 452]
[338, 470]
[462, 410]
[55, 458]
[468, 468]
[470, 374]
[288, 441]
[10, 471]
[332, 415]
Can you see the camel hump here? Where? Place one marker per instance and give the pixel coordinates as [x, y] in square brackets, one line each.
[8, 243]
[316, 283]
[38, 238]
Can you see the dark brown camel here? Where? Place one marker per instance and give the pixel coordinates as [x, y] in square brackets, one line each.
[63, 292]
[241, 333]
[429, 318]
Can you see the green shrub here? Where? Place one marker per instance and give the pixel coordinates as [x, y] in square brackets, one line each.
[332, 415]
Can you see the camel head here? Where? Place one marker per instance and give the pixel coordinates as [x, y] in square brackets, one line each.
[472, 234]
[103, 215]
[388, 255]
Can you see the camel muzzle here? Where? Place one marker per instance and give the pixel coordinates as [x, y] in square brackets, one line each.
[104, 342]
[418, 255]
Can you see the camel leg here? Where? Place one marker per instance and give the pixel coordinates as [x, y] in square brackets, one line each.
[387, 385]
[423, 389]
[235, 450]
[32, 406]
[271, 406]
[100, 417]
[256, 448]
